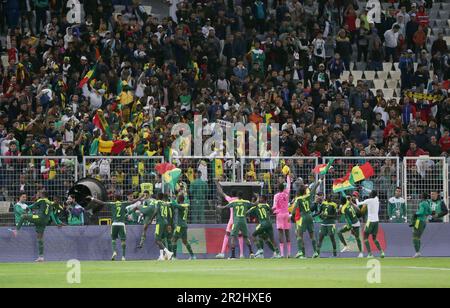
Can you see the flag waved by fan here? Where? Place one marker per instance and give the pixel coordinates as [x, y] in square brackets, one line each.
[324, 168]
[170, 174]
[361, 173]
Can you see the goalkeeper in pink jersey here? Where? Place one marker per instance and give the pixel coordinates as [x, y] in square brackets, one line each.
[281, 210]
[226, 238]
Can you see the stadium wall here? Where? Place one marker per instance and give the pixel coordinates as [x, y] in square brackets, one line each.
[93, 243]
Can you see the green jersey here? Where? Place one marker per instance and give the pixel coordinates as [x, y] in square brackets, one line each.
[350, 215]
[424, 211]
[328, 213]
[240, 209]
[148, 208]
[182, 213]
[44, 208]
[397, 210]
[119, 211]
[164, 213]
[439, 210]
[19, 210]
[262, 211]
[304, 204]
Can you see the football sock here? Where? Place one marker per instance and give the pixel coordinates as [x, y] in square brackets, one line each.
[41, 248]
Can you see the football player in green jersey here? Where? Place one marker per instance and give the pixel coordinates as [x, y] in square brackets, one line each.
[43, 212]
[351, 213]
[164, 216]
[146, 207]
[420, 223]
[119, 214]
[240, 208]
[328, 215]
[181, 228]
[305, 203]
[264, 230]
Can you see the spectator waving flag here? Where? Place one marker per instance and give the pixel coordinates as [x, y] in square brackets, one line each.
[101, 123]
[88, 77]
[111, 147]
[323, 169]
[360, 173]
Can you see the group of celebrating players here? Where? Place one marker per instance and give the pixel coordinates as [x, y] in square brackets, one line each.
[172, 214]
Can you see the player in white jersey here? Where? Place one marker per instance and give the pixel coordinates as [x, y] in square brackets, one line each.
[372, 205]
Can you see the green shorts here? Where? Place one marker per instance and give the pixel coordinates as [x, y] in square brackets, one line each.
[328, 230]
[147, 220]
[419, 228]
[161, 231]
[347, 228]
[241, 227]
[305, 224]
[181, 232]
[264, 229]
[371, 228]
[118, 232]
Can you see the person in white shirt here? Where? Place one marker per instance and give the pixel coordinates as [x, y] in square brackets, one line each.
[391, 42]
[372, 206]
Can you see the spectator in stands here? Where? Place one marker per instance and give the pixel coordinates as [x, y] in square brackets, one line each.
[414, 150]
[391, 38]
[439, 45]
[422, 17]
[406, 66]
[444, 142]
[420, 40]
[433, 148]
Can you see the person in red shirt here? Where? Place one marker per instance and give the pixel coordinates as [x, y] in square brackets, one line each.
[444, 142]
[414, 151]
[422, 17]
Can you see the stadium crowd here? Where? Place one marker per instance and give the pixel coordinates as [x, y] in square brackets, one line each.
[235, 61]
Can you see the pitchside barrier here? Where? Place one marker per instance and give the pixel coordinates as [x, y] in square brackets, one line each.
[124, 174]
[94, 243]
[198, 181]
[423, 175]
[28, 175]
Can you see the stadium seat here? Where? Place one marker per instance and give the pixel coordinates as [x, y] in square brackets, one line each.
[415, 66]
[447, 39]
[345, 75]
[379, 83]
[357, 75]
[396, 75]
[383, 75]
[387, 66]
[5, 61]
[395, 68]
[4, 207]
[388, 93]
[369, 75]
[398, 93]
[392, 83]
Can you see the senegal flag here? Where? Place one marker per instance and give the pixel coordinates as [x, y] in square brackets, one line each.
[323, 169]
[100, 122]
[360, 173]
[88, 77]
[171, 177]
[342, 184]
[111, 147]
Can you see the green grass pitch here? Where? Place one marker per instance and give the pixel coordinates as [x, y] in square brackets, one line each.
[425, 272]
